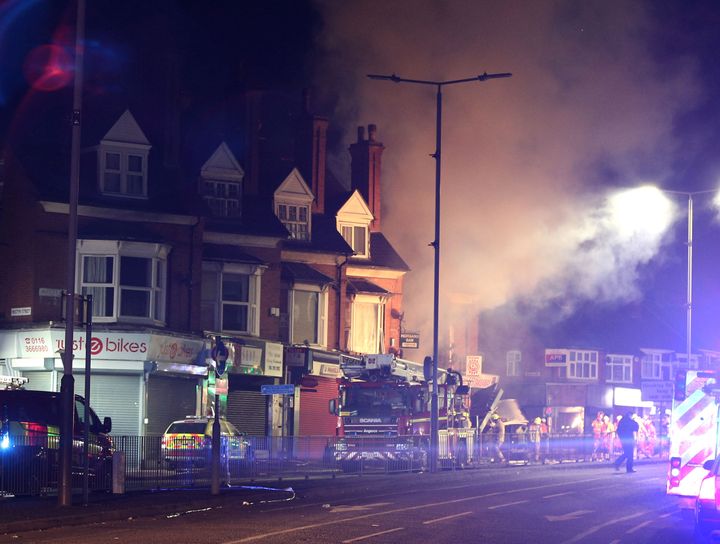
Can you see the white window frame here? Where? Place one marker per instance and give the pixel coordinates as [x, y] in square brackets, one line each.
[652, 365]
[293, 225]
[513, 358]
[116, 250]
[623, 364]
[353, 342]
[583, 365]
[218, 195]
[322, 322]
[216, 304]
[125, 151]
[364, 251]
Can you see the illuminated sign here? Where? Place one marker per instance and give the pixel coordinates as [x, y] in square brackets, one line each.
[555, 358]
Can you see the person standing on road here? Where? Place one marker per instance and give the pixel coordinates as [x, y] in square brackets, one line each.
[598, 429]
[535, 438]
[627, 432]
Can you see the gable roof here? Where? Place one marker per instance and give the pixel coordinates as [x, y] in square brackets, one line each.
[222, 165]
[126, 130]
[355, 209]
[294, 187]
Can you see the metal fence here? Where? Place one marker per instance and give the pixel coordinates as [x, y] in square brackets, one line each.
[146, 465]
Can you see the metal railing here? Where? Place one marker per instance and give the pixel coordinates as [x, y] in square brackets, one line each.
[31, 468]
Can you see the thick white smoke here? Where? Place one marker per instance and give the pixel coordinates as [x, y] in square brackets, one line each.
[588, 105]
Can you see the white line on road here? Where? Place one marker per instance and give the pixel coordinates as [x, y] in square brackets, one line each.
[580, 537]
[428, 522]
[365, 537]
[262, 536]
[639, 526]
[558, 495]
[506, 504]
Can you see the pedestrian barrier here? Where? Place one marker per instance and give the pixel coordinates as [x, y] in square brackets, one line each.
[141, 462]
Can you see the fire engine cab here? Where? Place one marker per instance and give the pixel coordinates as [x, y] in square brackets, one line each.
[384, 412]
[693, 430]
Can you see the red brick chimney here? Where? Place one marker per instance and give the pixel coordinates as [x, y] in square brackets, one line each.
[366, 158]
[311, 156]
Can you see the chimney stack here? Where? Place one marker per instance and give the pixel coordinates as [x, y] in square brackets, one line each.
[366, 159]
[311, 152]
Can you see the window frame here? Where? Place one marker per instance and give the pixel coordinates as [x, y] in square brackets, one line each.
[293, 225]
[583, 365]
[125, 151]
[217, 303]
[217, 194]
[157, 289]
[380, 323]
[623, 363]
[365, 253]
[652, 365]
[513, 358]
[321, 324]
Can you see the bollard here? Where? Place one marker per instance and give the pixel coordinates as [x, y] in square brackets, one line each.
[118, 473]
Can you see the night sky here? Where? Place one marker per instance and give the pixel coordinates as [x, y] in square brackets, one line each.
[605, 95]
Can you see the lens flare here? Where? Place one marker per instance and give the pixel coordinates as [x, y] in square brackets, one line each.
[48, 68]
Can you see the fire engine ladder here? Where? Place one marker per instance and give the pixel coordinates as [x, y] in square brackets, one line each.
[408, 370]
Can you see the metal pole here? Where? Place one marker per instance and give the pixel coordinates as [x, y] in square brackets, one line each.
[67, 384]
[434, 408]
[88, 358]
[215, 444]
[688, 333]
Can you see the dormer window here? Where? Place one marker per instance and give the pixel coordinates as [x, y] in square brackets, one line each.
[295, 218]
[124, 173]
[292, 200]
[223, 197]
[221, 183]
[356, 236]
[123, 159]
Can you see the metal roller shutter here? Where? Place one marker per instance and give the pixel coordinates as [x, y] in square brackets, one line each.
[315, 418]
[42, 381]
[118, 396]
[247, 410]
[169, 398]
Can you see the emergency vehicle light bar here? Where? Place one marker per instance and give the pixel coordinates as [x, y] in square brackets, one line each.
[12, 382]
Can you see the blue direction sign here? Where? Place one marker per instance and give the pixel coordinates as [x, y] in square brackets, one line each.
[282, 389]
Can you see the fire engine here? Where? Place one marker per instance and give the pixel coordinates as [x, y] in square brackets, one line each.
[693, 430]
[384, 409]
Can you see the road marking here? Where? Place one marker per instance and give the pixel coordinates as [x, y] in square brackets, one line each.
[358, 508]
[365, 537]
[569, 516]
[580, 537]
[558, 495]
[428, 522]
[506, 504]
[638, 526]
[262, 536]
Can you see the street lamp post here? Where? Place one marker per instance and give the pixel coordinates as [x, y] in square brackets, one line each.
[689, 299]
[434, 441]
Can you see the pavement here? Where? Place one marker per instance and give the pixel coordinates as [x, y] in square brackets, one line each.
[23, 514]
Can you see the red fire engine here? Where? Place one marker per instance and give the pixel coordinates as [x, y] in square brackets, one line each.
[693, 430]
[384, 414]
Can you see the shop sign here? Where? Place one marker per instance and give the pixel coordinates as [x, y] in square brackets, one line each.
[17, 312]
[119, 346]
[295, 356]
[282, 389]
[327, 370]
[554, 357]
[273, 359]
[481, 381]
[659, 392]
[473, 365]
[410, 340]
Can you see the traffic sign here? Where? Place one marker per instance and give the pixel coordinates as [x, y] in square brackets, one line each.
[282, 389]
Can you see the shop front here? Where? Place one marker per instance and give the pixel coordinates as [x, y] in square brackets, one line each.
[143, 381]
[252, 363]
[315, 372]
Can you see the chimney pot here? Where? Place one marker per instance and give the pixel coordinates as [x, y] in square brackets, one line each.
[361, 134]
[372, 129]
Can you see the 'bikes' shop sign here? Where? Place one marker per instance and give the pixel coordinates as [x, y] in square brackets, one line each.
[110, 346]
